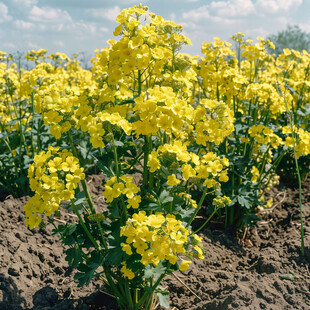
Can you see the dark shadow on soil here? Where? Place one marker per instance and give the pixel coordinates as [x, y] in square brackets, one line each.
[48, 298]
[11, 299]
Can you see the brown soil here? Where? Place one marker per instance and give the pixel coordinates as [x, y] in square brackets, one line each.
[242, 271]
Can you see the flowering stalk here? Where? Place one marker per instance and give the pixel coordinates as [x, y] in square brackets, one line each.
[204, 194]
[85, 228]
[85, 189]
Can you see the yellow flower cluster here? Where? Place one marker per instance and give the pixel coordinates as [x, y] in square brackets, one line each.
[213, 121]
[53, 91]
[53, 177]
[221, 201]
[255, 174]
[301, 138]
[147, 45]
[156, 238]
[265, 135]
[161, 110]
[208, 167]
[267, 98]
[125, 186]
[94, 124]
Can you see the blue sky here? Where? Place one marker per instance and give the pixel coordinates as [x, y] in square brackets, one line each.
[83, 25]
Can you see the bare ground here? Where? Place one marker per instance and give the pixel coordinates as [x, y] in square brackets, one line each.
[240, 271]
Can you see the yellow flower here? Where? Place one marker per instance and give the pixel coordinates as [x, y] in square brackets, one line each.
[153, 162]
[71, 164]
[126, 248]
[255, 174]
[134, 202]
[172, 180]
[55, 165]
[188, 171]
[184, 265]
[127, 272]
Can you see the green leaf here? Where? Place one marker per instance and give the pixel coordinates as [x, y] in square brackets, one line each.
[163, 300]
[105, 169]
[244, 202]
[74, 256]
[87, 272]
[165, 197]
[118, 143]
[250, 219]
[151, 272]
[114, 257]
[114, 210]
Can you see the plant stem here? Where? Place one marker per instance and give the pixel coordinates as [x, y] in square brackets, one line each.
[102, 236]
[124, 209]
[199, 206]
[145, 160]
[115, 158]
[300, 205]
[206, 222]
[291, 119]
[85, 189]
[146, 294]
[97, 247]
[128, 294]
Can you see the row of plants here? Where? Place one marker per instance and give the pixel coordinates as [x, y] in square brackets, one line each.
[171, 132]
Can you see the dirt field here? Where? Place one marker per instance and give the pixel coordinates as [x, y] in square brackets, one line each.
[240, 271]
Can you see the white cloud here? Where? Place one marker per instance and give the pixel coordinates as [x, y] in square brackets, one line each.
[232, 8]
[197, 14]
[25, 3]
[221, 10]
[21, 24]
[9, 45]
[275, 6]
[4, 13]
[109, 14]
[104, 29]
[47, 14]
[59, 43]
[190, 25]
[88, 27]
[33, 45]
[78, 27]
[226, 11]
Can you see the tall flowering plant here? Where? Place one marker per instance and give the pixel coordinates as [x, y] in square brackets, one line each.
[255, 86]
[140, 115]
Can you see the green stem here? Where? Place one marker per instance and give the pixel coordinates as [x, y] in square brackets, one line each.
[299, 181]
[135, 160]
[146, 294]
[273, 167]
[85, 189]
[300, 205]
[102, 236]
[97, 247]
[112, 285]
[128, 294]
[206, 222]
[115, 159]
[124, 209]
[139, 83]
[199, 206]
[88, 198]
[231, 218]
[151, 182]
[145, 160]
